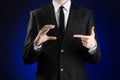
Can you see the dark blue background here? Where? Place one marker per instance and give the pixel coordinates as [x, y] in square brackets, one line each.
[14, 16]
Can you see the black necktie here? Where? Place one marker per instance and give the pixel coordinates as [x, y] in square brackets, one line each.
[61, 22]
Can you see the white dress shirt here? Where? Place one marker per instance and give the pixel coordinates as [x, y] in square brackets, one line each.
[66, 11]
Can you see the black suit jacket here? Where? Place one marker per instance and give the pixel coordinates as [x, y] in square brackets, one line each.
[69, 54]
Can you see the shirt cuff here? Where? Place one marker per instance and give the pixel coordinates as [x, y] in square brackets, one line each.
[92, 50]
[37, 48]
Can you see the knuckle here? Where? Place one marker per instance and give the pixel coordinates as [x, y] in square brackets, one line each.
[87, 40]
[87, 45]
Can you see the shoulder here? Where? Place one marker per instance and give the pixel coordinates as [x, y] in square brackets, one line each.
[41, 10]
[81, 9]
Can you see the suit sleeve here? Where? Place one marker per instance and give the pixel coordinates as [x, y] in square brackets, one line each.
[29, 54]
[95, 58]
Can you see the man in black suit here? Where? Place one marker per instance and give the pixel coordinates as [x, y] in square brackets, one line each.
[61, 38]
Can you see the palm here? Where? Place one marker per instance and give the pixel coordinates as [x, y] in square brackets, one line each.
[42, 35]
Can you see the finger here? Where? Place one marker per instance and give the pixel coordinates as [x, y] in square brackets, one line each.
[84, 41]
[48, 28]
[43, 32]
[80, 36]
[46, 31]
[92, 31]
[85, 45]
[52, 38]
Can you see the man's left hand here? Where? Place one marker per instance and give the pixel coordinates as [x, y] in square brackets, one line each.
[88, 41]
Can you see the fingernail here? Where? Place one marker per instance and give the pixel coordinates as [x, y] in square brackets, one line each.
[74, 35]
[53, 26]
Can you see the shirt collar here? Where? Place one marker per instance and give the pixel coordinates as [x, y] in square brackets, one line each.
[66, 5]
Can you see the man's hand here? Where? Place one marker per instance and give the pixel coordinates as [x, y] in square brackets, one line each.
[88, 41]
[42, 35]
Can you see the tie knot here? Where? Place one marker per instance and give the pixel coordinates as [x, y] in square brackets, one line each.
[61, 7]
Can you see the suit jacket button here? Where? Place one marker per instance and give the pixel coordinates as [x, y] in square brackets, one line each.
[62, 50]
[61, 69]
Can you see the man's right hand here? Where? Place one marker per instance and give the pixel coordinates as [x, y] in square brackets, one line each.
[42, 35]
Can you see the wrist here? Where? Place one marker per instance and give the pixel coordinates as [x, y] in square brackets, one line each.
[37, 43]
[93, 46]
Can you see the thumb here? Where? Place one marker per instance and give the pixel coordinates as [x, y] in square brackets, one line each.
[92, 31]
[52, 38]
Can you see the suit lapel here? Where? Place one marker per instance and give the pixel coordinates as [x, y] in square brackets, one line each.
[50, 16]
[72, 17]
